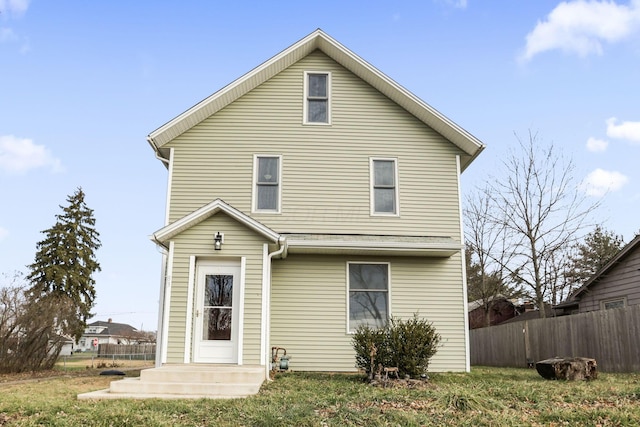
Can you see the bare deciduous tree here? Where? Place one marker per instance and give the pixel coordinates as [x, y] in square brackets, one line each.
[30, 337]
[486, 253]
[540, 211]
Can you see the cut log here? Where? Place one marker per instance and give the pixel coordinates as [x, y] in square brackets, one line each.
[568, 368]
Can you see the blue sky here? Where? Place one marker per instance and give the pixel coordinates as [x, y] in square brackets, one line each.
[83, 83]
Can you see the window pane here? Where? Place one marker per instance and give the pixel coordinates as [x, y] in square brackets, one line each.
[368, 295]
[268, 169]
[318, 85]
[218, 291]
[217, 324]
[267, 197]
[384, 173]
[368, 276]
[613, 304]
[367, 308]
[317, 111]
[385, 200]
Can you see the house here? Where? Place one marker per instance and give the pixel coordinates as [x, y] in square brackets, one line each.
[501, 309]
[615, 285]
[309, 196]
[108, 332]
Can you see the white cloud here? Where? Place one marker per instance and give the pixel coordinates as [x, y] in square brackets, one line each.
[599, 182]
[581, 26]
[596, 145]
[7, 34]
[3, 233]
[625, 130]
[14, 7]
[19, 155]
[458, 4]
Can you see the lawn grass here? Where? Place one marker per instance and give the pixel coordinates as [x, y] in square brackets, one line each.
[484, 397]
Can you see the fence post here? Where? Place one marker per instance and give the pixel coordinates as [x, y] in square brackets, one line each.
[527, 345]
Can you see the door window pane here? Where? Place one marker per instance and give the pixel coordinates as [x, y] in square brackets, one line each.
[218, 302]
[218, 290]
[217, 324]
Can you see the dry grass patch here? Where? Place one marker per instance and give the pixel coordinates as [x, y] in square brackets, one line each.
[484, 397]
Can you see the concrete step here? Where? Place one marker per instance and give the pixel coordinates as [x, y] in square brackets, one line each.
[206, 374]
[135, 385]
[189, 381]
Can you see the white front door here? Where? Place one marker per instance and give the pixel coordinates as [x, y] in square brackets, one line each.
[217, 313]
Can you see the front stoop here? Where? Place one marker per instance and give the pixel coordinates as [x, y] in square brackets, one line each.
[193, 381]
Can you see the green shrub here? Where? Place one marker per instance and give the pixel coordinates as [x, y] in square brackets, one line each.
[405, 344]
[368, 342]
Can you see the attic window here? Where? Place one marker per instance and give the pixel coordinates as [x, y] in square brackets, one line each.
[317, 89]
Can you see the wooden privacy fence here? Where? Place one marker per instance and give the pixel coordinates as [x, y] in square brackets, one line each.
[612, 337]
[127, 351]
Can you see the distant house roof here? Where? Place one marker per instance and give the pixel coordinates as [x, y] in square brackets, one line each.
[470, 145]
[114, 329]
[530, 315]
[572, 300]
[480, 302]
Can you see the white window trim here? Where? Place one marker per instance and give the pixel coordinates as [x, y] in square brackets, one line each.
[389, 313]
[254, 185]
[603, 303]
[305, 104]
[372, 200]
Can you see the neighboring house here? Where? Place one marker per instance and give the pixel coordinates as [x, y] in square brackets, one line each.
[500, 309]
[108, 332]
[312, 195]
[615, 285]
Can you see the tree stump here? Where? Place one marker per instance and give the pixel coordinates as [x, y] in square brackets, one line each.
[568, 368]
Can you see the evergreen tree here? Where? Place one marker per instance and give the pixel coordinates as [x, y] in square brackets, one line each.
[590, 255]
[64, 264]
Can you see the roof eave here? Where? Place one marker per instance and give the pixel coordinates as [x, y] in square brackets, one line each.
[470, 145]
[165, 234]
[332, 247]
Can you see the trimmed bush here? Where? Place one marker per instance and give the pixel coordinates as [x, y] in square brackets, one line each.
[408, 345]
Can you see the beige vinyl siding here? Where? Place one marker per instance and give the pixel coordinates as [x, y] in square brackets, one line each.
[198, 241]
[325, 169]
[623, 280]
[309, 308]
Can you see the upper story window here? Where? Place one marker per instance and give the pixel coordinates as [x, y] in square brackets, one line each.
[267, 186]
[368, 294]
[384, 187]
[317, 103]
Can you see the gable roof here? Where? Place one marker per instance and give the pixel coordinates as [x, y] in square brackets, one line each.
[470, 145]
[165, 234]
[573, 299]
[114, 329]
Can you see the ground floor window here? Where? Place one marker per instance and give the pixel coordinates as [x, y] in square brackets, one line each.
[368, 287]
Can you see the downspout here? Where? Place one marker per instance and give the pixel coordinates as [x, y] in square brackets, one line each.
[282, 250]
[161, 302]
[162, 296]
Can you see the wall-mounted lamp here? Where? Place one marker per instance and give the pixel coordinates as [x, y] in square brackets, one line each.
[218, 239]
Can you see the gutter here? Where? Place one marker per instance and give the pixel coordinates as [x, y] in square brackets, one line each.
[157, 152]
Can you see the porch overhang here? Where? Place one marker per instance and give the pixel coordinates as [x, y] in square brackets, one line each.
[351, 244]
